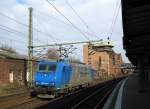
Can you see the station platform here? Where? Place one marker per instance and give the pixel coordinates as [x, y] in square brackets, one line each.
[127, 95]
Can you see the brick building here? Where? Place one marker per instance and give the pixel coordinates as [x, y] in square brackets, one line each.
[13, 68]
[103, 58]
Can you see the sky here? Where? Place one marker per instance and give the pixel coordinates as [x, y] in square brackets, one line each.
[98, 15]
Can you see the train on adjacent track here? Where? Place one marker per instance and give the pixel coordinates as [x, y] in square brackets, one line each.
[58, 78]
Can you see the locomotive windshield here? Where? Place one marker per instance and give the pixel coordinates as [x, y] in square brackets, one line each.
[52, 67]
[42, 67]
[47, 67]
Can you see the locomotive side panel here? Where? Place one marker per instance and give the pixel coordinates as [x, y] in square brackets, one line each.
[63, 75]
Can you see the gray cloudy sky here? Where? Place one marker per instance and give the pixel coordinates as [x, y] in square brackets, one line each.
[98, 15]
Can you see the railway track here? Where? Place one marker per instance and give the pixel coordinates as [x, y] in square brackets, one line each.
[20, 101]
[31, 104]
[91, 98]
[14, 99]
[96, 99]
[24, 101]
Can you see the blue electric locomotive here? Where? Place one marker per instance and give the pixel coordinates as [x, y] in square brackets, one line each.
[58, 78]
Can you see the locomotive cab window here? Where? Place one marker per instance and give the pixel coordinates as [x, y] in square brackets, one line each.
[42, 67]
[52, 67]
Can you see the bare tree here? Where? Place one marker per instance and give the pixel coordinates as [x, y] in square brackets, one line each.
[52, 53]
[8, 49]
[74, 59]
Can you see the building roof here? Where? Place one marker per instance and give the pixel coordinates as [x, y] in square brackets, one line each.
[103, 44]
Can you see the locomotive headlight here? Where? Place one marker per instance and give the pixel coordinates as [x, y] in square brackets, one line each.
[36, 82]
[58, 88]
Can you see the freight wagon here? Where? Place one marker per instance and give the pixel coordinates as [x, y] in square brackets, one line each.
[59, 78]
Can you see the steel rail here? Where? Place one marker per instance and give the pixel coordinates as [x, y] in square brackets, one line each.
[88, 97]
[104, 97]
[33, 102]
[12, 95]
[29, 101]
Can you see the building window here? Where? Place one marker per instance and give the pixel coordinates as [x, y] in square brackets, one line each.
[99, 60]
[113, 60]
[11, 76]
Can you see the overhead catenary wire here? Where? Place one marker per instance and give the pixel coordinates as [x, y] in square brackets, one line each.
[114, 19]
[10, 30]
[50, 16]
[114, 14]
[77, 14]
[63, 22]
[39, 52]
[81, 19]
[68, 20]
[2, 14]
[13, 31]
[55, 40]
[16, 32]
[14, 47]
[14, 40]
[34, 29]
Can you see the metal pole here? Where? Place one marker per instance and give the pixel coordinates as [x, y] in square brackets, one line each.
[30, 49]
